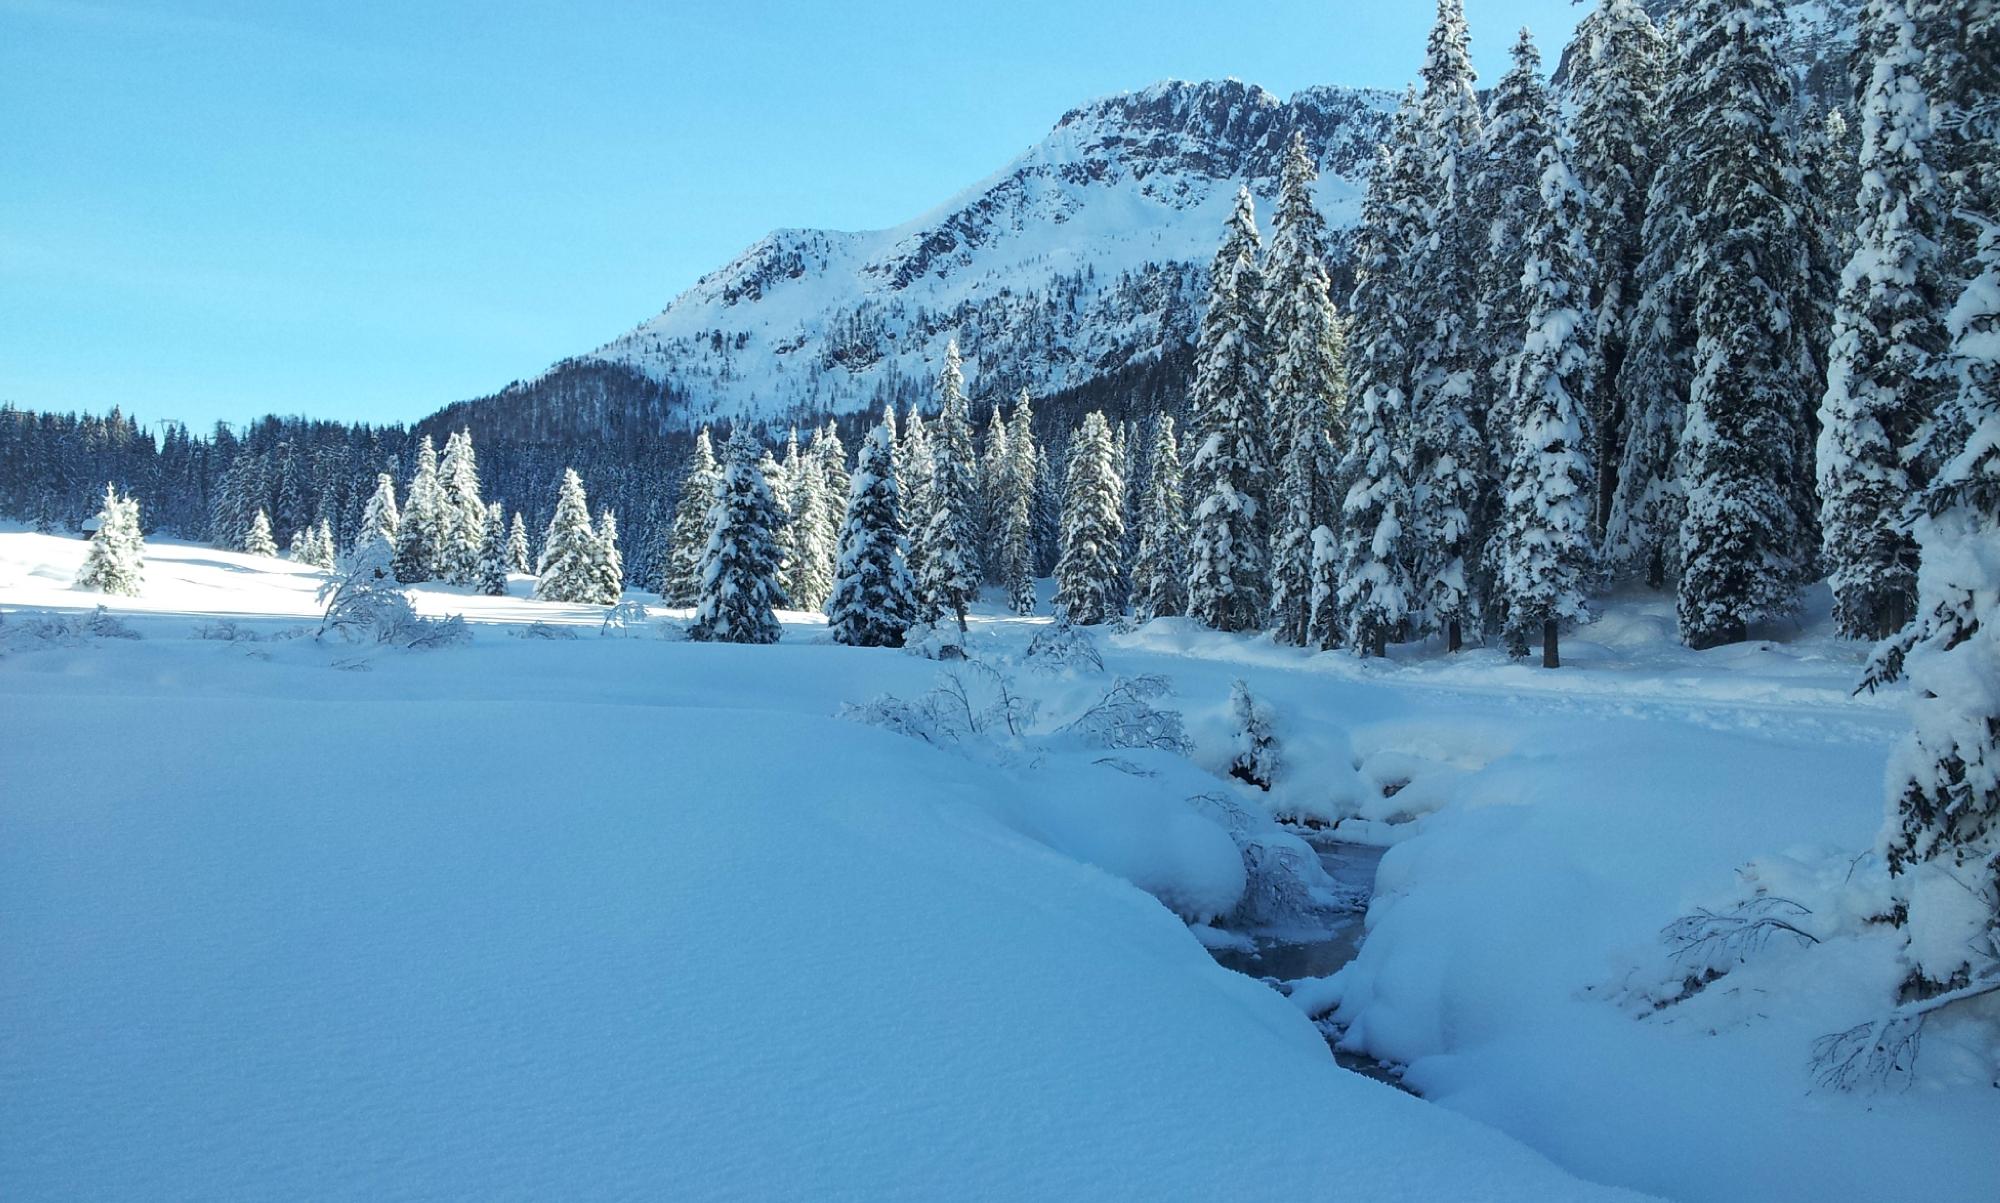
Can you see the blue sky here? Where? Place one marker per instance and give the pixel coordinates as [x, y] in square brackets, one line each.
[364, 210]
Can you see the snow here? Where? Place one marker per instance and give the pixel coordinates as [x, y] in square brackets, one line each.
[644, 917]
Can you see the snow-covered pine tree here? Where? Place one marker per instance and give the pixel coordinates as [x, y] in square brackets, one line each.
[1159, 567]
[808, 575]
[116, 560]
[570, 570]
[1618, 65]
[915, 464]
[299, 546]
[1642, 528]
[609, 577]
[1374, 594]
[325, 555]
[1887, 343]
[493, 554]
[831, 453]
[1089, 576]
[461, 512]
[1547, 559]
[420, 534]
[1448, 455]
[948, 577]
[517, 546]
[1048, 513]
[872, 604]
[996, 464]
[682, 583]
[259, 542]
[1228, 579]
[740, 591]
[1308, 388]
[380, 517]
[1017, 510]
[1744, 545]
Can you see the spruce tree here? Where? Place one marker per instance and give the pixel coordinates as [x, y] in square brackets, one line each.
[1618, 64]
[1017, 510]
[682, 583]
[915, 464]
[1448, 455]
[1547, 556]
[517, 546]
[872, 604]
[1159, 569]
[493, 554]
[420, 534]
[1744, 548]
[461, 512]
[1888, 340]
[1308, 388]
[1048, 513]
[996, 464]
[1229, 477]
[259, 542]
[380, 517]
[831, 454]
[570, 569]
[808, 576]
[116, 560]
[1089, 574]
[609, 577]
[740, 591]
[948, 576]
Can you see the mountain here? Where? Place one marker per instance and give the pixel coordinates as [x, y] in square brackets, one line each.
[1080, 267]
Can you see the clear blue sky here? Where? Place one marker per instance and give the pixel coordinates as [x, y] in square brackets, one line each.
[366, 209]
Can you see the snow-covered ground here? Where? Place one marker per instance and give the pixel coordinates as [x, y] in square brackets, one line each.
[602, 916]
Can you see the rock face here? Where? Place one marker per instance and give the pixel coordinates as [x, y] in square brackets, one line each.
[1081, 263]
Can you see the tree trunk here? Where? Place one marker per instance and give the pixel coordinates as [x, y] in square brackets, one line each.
[1549, 657]
[1378, 643]
[1656, 570]
[1452, 636]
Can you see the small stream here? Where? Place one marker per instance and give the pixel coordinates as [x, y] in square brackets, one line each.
[1285, 958]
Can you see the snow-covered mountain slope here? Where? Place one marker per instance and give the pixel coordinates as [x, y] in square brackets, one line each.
[1084, 257]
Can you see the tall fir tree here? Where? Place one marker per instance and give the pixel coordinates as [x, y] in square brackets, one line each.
[1017, 509]
[610, 574]
[740, 590]
[1229, 478]
[1547, 560]
[808, 578]
[1308, 388]
[1618, 66]
[259, 542]
[872, 603]
[420, 534]
[1159, 568]
[517, 546]
[996, 462]
[380, 517]
[1887, 344]
[948, 580]
[1745, 546]
[461, 512]
[1089, 576]
[570, 570]
[1448, 455]
[493, 555]
[681, 584]
[915, 465]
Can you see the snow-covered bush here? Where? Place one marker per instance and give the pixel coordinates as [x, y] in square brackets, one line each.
[544, 630]
[624, 620]
[1285, 886]
[935, 641]
[971, 704]
[31, 630]
[1125, 717]
[1256, 760]
[365, 606]
[1062, 648]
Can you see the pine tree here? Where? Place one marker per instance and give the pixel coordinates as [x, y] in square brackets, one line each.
[1088, 575]
[1308, 389]
[1047, 514]
[380, 517]
[1230, 524]
[324, 555]
[915, 464]
[682, 584]
[570, 570]
[517, 546]
[948, 577]
[1448, 455]
[1372, 604]
[740, 591]
[299, 547]
[461, 512]
[1888, 339]
[1618, 63]
[872, 604]
[1159, 570]
[609, 576]
[420, 535]
[1547, 556]
[1744, 546]
[831, 453]
[1017, 509]
[259, 542]
[808, 576]
[996, 464]
[116, 560]
[493, 554]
